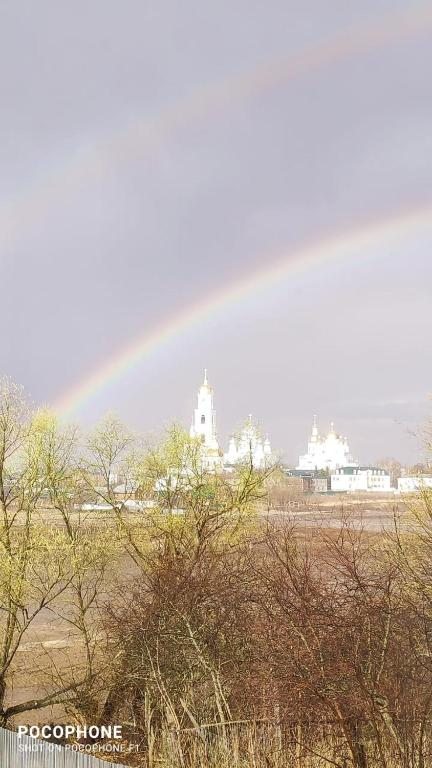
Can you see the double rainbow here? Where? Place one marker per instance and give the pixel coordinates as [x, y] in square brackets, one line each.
[146, 133]
[354, 243]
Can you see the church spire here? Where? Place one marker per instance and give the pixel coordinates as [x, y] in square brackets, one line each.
[314, 429]
[205, 377]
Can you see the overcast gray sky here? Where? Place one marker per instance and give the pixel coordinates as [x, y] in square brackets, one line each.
[139, 175]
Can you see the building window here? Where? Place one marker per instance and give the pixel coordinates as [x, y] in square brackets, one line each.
[203, 419]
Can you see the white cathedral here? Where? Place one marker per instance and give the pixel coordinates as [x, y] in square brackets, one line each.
[248, 445]
[330, 452]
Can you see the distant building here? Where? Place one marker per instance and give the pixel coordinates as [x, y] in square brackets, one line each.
[360, 479]
[299, 484]
[249, 445]
[124, 491]
[414, 483]
[310, 480]
[330, 452]
[204, 425]
[320, 484]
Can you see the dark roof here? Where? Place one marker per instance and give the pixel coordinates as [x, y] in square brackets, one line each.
[353, 470]
[306, 473]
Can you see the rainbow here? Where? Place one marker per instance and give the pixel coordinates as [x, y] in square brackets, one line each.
[90, 161]
[355, 242]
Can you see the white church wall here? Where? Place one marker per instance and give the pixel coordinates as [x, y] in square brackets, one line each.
[360, 479]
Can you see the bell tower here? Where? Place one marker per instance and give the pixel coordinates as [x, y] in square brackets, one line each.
[204, 418]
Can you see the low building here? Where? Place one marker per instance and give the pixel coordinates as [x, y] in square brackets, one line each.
[125, 491]
[298, 484]
[320, 484]
[360, 479]
[414, 483]
[309, 481]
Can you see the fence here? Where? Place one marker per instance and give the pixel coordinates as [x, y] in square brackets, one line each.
[26, 752]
